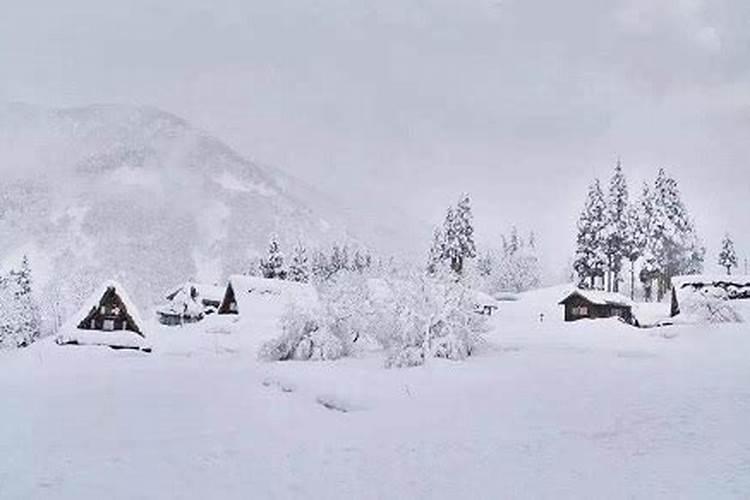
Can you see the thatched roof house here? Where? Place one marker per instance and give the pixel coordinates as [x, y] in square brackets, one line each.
[108, 317]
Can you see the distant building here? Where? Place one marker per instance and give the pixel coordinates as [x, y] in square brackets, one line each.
[190, 303]
[727, 287]
[249, 295]
[594, 304]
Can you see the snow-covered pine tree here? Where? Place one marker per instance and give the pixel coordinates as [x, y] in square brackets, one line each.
[728, 255]
[25, 321]
[485, 263]
[273, 266]
[617, 226]
[590, 259]
[514, 241]
[320, 266]
[359, 261]
[459, 235]
[339, 259]
[299, 267]
[676, 247]
[437, 251]
[646, 233]
[634, 243]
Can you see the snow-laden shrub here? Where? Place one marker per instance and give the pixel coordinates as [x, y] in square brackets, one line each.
[435, 318]
[303, 337]
[709, 305]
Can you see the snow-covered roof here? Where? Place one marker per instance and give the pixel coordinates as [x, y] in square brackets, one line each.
[92, 302]
[271, 295]
[600, 297]
[711, 279]
[212, 293]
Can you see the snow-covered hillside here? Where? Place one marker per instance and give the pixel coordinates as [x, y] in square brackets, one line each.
[139, 195]
[594, 409]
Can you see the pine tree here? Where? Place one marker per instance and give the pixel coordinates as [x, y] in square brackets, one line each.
[675, 245]
[299, 268]
[646, 233]
[634, 243]
[728, 256]
[437, 251]
[273, 266]
[590, 257]
[459, 235]
[23, 319]
[617, 226]
[360, 261]
[339, 259]
[321, 266]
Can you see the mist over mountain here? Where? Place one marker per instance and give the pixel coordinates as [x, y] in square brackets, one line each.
[139, 195]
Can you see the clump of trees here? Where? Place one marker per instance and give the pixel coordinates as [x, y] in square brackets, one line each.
[513, 267]
[20, 317]
[655, 232]
[413, 313]
[322, 266]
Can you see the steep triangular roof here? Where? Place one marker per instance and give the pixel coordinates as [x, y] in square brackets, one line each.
[94, 301]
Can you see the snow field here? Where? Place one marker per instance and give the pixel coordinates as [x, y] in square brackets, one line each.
[544, 410]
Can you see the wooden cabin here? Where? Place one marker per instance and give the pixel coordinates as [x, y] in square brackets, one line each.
[594, 304]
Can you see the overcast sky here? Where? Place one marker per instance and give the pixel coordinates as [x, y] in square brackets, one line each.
[519, 102]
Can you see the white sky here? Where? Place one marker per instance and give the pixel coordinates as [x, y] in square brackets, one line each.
[519, 102]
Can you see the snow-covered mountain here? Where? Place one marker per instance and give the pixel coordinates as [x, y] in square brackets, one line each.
[140, 195]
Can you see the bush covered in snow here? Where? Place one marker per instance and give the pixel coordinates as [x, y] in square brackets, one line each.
[434, 318]
[709, 305]
[413, 318]
[304, 337]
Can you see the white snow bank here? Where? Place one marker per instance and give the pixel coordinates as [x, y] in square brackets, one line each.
[121, 339]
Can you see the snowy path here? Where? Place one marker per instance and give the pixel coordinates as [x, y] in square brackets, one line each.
[546, 410]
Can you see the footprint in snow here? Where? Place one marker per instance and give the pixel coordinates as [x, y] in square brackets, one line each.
[281, 385]
[336, 403]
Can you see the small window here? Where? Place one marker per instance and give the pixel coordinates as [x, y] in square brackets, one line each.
[108, 325]
[581, 311]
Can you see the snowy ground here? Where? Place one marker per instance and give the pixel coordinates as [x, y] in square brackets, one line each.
[547, 410]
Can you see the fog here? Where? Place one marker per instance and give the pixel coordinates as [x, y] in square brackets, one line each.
[408, 104]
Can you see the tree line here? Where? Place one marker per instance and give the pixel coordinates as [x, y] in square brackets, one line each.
[323, 265]
[653, 235]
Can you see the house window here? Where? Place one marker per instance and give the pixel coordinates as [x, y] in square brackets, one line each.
[108, 325]
[581, 311]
